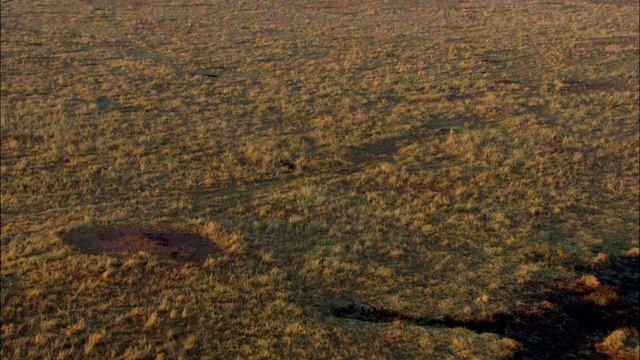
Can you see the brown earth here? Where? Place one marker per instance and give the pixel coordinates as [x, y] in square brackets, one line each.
[170, 241]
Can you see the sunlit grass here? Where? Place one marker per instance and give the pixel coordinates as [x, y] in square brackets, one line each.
[431, 157]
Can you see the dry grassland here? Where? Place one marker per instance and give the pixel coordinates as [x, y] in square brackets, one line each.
[353, 179]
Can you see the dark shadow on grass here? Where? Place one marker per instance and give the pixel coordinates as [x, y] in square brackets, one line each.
[573, 321]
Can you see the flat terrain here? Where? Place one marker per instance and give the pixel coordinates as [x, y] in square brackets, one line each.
[319, 179]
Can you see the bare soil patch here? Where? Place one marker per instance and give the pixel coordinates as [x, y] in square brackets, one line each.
[170, 241]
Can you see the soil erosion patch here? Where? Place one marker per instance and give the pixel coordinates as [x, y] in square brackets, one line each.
[171, 241]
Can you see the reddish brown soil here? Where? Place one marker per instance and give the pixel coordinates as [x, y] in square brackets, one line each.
[166, 241]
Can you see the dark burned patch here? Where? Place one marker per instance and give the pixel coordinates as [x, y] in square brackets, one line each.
[170, 241]
[567, 324]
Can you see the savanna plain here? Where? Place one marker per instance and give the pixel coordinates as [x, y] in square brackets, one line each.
[293, 179]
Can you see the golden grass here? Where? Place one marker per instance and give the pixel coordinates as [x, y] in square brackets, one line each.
[620, 344]
[432, 157]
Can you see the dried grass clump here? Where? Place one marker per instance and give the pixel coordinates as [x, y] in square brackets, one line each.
[621, 344]
[587, 283]
[602, 295]
[633, 252]
[232, 243]
[601, 260]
